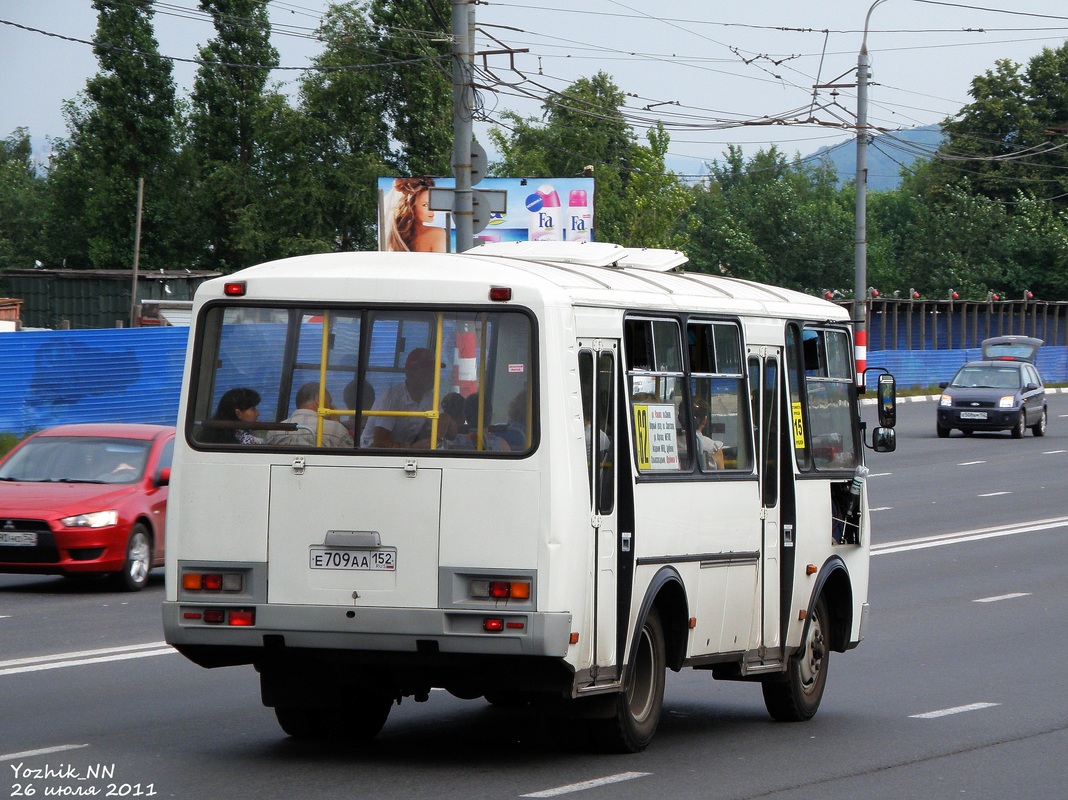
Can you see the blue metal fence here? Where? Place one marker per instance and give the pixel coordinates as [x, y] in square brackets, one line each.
[106, 375]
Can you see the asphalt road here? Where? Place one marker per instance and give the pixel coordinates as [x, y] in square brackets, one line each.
[959, 690]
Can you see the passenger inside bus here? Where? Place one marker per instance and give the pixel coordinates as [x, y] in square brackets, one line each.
[366, 399]
[414, 393]
[709, 450]
[305, 417]
[452, 422]
[515, 432]
[490, 440]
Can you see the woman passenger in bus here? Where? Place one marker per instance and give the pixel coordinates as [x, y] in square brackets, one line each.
[236, 405]
[709, 450]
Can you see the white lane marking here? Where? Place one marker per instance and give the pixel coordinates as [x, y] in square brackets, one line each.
[970, 463]
[945, 712]
[1012, 596]
[17, 666]
[579, 787]
[882, 508]
[44, 751]
[1048, 453]
[879, 474]
[968, 536]
[993, 494]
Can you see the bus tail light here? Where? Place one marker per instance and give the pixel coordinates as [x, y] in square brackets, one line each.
[212, 581]
[500, 589]
[235, 288]
[234, 617]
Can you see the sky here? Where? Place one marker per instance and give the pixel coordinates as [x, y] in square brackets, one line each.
[715, 73]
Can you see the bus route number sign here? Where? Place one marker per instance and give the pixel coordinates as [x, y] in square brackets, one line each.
[382, 559]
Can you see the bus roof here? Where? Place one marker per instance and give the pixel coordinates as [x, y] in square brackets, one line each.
[583, 274]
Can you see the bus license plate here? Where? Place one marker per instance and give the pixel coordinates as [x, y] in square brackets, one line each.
[379, 559]
[973, 415]
[19, 538]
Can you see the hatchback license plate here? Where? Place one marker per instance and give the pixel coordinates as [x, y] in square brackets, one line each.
[973, 415]
[382, 559]
[19, 538]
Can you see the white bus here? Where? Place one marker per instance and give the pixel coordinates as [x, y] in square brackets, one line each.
[539, 473]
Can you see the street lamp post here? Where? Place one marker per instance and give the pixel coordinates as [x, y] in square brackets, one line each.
[860, 249]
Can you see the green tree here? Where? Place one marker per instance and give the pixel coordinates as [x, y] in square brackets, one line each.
[639, 202]
[22, 203]
[1011, 137]
[344, 102]
[124, 126]
[414, 47]
[230, 104]
[775, 221]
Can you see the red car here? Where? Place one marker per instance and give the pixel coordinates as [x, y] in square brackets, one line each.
[91, 498]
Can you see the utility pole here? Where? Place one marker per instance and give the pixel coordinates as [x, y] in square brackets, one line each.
[137, 250]
[860, 250]
[463, 21]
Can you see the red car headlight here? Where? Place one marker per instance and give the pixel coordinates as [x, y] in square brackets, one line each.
[95, 519]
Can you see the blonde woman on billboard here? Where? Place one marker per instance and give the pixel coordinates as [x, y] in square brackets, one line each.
[408, 218]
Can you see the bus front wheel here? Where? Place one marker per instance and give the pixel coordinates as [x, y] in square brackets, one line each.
[637, 707]
[795, 696]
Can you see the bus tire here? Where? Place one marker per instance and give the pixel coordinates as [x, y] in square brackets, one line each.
[637, 707]
[796, 695]
[357, 721]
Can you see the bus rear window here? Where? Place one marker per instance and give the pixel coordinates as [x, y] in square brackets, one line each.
[370, 379]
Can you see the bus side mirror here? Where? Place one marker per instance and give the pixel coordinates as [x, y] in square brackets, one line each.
[884, 440]
[887, 399]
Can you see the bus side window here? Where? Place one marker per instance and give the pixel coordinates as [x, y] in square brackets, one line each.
[717, 390]
[659, 404]
[829, 399]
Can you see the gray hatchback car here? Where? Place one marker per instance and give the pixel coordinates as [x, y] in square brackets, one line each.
[1002, 392]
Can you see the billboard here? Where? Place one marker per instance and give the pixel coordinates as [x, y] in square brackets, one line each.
[555, 209]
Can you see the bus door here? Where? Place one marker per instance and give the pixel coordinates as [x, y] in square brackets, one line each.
[598, 362]
[765, 381]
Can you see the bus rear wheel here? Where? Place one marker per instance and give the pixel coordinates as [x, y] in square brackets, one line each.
[637, 708]
[354, 721]
[795, 696]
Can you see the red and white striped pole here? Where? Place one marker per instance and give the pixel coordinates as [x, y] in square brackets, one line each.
[860, 350]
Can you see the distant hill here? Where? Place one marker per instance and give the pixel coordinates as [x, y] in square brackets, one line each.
[887, 153]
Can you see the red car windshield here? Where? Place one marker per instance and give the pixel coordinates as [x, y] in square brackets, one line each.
[74, 459]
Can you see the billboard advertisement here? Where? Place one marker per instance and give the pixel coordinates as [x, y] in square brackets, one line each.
[413, 217]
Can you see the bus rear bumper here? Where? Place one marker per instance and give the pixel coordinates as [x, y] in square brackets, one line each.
[229, 635]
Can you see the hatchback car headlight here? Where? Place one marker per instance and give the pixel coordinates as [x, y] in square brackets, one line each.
[1008, 401]
[96, 519]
